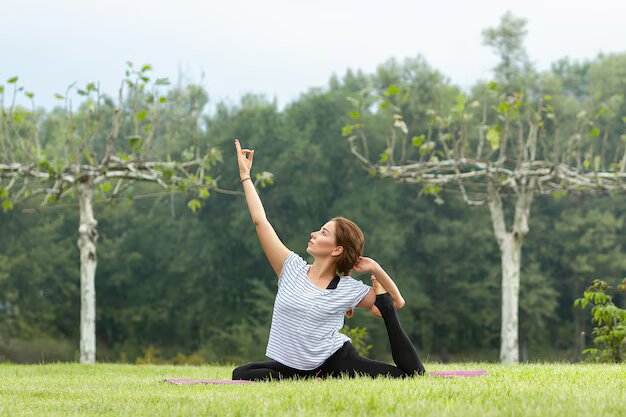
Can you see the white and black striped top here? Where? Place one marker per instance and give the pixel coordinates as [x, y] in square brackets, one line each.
[307, 319]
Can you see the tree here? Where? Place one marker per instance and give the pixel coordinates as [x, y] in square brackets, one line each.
[92, 162]
[514, 71]
[519, 151]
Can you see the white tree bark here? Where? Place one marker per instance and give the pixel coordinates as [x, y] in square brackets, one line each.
[510, 244]
[88, 235]
[510, 252]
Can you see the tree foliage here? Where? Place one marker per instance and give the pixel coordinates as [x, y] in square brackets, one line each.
[199, 284]
[610, 320]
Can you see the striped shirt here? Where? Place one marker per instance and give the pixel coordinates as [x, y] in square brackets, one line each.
[307, 319]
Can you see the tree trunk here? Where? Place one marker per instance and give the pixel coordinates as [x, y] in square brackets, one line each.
[510, 251]
[88, 235]
[510, 244]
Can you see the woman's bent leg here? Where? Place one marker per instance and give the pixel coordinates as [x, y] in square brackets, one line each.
[402, 350]
[346, 361]
[267, 371]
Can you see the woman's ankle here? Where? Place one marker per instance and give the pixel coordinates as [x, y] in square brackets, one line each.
[384, 302]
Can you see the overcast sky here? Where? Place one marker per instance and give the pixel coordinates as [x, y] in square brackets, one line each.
[281, 48]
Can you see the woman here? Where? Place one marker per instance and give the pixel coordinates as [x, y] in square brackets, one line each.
[312, 299]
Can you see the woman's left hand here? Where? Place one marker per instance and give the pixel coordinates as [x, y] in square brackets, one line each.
[366, 265]
[375, 311]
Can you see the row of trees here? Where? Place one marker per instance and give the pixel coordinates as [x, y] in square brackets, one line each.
[200, 283]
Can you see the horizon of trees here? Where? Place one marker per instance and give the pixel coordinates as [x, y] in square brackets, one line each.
[200, 285]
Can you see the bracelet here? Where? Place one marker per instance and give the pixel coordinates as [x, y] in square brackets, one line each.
[247, 178]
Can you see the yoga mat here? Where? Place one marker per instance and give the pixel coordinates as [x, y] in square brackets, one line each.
[444, 374]
[184, 381]
[459, 373]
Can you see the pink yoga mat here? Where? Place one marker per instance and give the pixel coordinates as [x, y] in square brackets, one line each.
[184, 381]
[444, 374]
[459, 373]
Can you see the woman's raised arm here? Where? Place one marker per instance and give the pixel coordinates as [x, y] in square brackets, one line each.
[274, 249]
[244, 159]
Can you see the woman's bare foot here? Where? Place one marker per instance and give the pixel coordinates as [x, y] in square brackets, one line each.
[378, 288]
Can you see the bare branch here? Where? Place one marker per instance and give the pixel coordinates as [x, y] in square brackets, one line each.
[356, 153]
[623, 167]
[112, 136]
[503, 143]
[481, 131]
[155, 171]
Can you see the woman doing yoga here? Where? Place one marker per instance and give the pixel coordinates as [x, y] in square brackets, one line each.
[309, 309]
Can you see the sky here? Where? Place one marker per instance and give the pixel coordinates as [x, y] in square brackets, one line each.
[281, 48]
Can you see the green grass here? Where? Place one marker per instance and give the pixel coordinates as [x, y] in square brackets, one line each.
[136, 390]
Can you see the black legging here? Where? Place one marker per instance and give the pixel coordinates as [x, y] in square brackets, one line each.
[346, 361]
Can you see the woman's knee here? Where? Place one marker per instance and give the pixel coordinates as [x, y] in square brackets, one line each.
[241, 372]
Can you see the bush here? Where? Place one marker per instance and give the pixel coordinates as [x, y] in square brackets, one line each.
[610, 333]
[359, 338]
[37, 350]
[152, 355]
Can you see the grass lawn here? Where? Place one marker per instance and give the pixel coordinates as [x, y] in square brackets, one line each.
[136, 390]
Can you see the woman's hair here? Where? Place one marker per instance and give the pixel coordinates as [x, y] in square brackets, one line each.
[351, 238]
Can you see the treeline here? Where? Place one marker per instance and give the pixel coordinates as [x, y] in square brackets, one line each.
[170, 282]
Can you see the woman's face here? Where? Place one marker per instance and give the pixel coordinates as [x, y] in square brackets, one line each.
[323, 241]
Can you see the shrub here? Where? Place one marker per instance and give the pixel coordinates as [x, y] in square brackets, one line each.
[610, 333]
[359, 338]
[151, 356]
